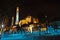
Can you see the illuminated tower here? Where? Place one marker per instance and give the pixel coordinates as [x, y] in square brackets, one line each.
[17, 16]
[12, 21]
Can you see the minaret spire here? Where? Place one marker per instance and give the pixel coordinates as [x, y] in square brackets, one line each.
[12, 21]
[17, 16]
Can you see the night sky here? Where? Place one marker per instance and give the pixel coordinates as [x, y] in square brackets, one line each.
[28, 7]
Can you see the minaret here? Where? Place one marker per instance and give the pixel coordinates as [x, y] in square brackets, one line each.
[12, 21]
[17, 16]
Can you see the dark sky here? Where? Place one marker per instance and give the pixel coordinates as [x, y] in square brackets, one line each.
[29, 7]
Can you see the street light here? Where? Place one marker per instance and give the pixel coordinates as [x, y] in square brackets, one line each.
[2, 25]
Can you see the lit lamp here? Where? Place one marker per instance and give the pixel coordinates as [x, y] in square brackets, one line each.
[2, 25]
[2, 28]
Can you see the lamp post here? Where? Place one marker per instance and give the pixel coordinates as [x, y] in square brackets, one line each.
[2, 26]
